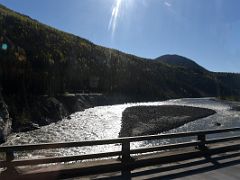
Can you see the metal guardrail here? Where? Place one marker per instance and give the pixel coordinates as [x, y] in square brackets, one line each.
[10, 162]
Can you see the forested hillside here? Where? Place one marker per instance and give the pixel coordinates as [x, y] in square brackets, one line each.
[37, 60]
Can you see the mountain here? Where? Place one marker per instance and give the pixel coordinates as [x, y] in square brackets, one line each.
[38, 60]
[180, 61]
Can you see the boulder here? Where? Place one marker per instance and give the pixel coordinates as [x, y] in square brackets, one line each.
[55, 109]
[28, 127]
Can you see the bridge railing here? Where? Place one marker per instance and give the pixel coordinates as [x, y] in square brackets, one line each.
[200, 141]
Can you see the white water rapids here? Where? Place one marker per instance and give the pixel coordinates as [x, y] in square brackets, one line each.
[104, 122]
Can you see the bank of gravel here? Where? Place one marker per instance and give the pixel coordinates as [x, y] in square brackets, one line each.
[145, 120]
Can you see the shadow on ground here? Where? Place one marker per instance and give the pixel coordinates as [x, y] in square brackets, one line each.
[182, 170]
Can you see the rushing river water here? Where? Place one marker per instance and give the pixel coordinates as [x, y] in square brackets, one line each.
[104, 122]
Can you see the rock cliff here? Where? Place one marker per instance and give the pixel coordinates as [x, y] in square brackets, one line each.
[5, 120]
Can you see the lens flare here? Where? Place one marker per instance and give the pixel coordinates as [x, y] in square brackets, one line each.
[122, 9]
[115, 15]
[4, 46]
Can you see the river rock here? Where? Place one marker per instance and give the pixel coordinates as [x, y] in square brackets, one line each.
[43, 111]
[236, 108]
[56, 109]
[217, 124]
[28, 127]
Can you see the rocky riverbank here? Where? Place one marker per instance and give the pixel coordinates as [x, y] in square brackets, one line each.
[42, 110]
[145, 120]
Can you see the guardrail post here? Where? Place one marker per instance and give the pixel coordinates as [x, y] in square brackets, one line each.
[9, 159]
[202, 139]
[126, 158]
[126, 151]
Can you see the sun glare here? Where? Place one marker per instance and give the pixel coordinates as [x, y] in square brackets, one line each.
[115, 15]
[120, 9]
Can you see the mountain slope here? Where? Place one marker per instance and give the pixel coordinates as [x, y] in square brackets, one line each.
[180, 61]
[41, 60]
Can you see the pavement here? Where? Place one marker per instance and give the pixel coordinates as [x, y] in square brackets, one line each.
[224, 166]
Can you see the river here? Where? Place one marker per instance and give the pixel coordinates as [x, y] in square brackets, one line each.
[104, 122]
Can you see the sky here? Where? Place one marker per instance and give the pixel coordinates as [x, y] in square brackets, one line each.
[207, 31]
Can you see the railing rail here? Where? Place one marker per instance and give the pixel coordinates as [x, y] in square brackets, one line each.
[126, 151]
[112, 141]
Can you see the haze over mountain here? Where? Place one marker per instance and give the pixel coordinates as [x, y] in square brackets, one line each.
[41, 60]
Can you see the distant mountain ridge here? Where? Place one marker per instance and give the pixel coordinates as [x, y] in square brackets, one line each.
[43, 61]
[180, 61]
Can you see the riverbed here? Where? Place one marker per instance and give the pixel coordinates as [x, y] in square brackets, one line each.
[104, 122]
